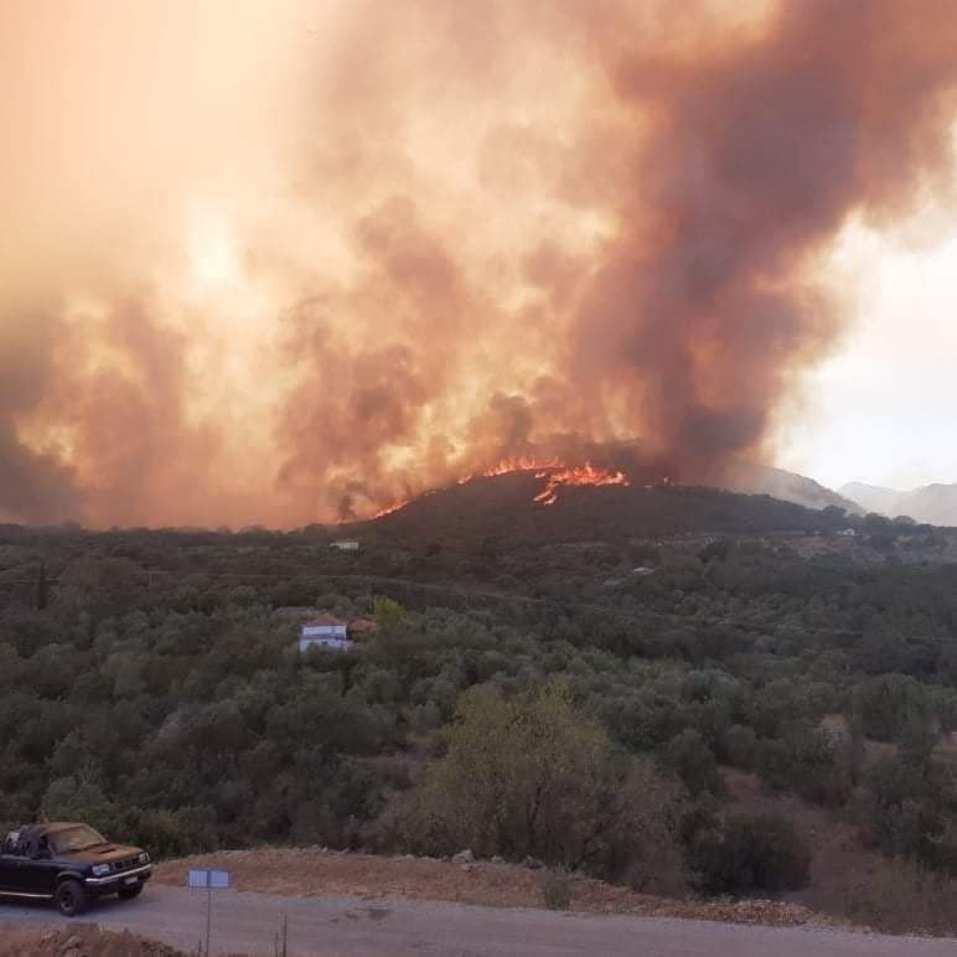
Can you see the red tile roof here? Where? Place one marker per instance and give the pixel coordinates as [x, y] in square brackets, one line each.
[322, 620]
[362, 624]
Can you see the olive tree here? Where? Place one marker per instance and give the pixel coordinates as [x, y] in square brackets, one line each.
[532, 775]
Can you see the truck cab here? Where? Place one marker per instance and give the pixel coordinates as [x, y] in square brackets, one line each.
[71, 864]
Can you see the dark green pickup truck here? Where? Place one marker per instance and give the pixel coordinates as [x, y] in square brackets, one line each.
[71, 864]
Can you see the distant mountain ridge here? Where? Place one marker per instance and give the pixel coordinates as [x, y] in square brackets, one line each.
[755, 479]
[934, 504]
[872, 498]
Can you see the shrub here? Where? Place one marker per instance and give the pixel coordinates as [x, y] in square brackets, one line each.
[693, 761]
[556, 889]
[522, 776]
[78, 799]
[187, 830]
[739, 744]
[532, 775]
[891, 895]
[887, 703]
[763, 852]
[808, 761]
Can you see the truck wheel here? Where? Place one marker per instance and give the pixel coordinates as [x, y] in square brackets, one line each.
[71, 898]
[128, 893]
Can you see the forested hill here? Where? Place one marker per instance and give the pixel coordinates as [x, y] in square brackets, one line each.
[641, 646]
[505, 505]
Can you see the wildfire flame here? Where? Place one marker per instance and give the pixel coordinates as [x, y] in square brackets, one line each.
[523, 464]
[557, 475]
[388, 510]
[586, 475]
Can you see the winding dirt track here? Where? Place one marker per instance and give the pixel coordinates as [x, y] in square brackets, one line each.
[352, 927]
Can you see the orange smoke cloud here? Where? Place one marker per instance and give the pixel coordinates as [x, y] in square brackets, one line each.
[296, 262]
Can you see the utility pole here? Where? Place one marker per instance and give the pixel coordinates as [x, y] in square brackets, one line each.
[280, 941]
[209, 914]
[209, 881]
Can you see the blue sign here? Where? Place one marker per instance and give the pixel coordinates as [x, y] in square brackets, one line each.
[208, 880]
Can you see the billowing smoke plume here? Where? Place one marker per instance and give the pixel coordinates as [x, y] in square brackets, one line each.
[290, 262]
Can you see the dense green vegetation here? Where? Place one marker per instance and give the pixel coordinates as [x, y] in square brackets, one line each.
[539, 695]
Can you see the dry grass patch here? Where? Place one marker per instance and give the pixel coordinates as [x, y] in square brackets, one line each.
[890, 895]
[851, 882]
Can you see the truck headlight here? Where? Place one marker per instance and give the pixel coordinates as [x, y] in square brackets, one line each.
[144, 858]
[100, 869]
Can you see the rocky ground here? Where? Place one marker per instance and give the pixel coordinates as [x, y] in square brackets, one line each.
[80, 940]
[83, 940]
[316, 872]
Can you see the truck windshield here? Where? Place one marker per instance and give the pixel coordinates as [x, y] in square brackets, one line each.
[75, 839]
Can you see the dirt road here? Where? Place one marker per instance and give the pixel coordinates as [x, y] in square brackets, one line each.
[353, 927]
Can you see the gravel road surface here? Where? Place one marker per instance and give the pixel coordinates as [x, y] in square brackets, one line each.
[353, 927]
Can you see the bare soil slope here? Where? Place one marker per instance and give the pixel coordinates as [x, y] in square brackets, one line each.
[314, 872]
[80, 940]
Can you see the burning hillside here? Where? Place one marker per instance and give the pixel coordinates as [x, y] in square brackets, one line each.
[586, 475]
[516, 506]
[554, 475]
[302, 263]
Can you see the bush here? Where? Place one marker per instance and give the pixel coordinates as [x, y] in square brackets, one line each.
[893, 896]
[763, 852]
[531, 775]
[556, 889]
[739, 744]
[887, 703]
[688, 756]
[808, 761]
[522, 777]
[78, 799]
[187, 830]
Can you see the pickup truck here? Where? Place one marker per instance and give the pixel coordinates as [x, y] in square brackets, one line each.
[70, 864]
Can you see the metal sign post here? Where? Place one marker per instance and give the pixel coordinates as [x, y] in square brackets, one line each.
[210, 881]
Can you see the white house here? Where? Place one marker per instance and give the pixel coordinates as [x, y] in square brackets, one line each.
[345, 546]
[324, 632]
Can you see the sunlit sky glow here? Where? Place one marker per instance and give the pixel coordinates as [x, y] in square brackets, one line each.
[883, 408]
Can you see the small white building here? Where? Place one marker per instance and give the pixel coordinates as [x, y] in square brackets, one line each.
[346, 546]
[324, 632]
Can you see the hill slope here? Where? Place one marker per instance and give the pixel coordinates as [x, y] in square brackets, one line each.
[787, 486]
[504, 506]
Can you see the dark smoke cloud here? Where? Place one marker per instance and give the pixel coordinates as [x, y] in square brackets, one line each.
[129, 419]
[756, 158]
[323, 260]
[34, 486]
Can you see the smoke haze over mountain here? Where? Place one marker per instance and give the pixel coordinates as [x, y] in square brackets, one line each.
[934, 504]
[291, 262]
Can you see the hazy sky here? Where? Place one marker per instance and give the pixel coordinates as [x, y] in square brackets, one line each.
[283, 261]
[883, 408]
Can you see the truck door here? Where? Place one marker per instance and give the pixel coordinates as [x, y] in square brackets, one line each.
[11, 865]
[39, 871]
[26, 868]
[6, 869]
